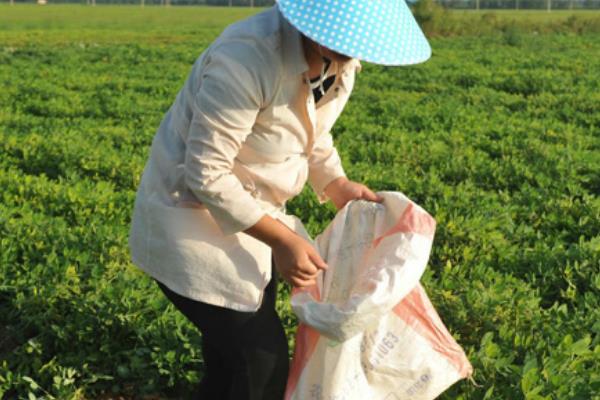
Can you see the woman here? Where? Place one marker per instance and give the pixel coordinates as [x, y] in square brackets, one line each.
[248, 129]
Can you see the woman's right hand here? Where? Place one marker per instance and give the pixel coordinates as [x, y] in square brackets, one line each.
[297, 261]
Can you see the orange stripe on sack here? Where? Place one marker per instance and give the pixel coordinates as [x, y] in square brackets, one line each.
[416, 309]
[412, 220]
[417, 312]
[306, 343]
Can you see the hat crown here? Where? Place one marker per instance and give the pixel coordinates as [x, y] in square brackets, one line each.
[378, 31]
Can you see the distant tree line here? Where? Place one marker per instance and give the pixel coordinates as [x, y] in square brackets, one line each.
[455, 4]
[521, 4]
[233, 3]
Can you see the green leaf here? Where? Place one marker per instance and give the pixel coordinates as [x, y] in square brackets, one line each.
[170, 356]
[529, 380]
[32, 384]
[581, 346]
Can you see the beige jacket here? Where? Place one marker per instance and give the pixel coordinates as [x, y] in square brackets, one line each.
[242, 137]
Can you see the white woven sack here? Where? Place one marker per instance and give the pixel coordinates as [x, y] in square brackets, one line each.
[368, 329]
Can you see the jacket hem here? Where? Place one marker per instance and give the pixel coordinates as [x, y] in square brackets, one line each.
[190, 293]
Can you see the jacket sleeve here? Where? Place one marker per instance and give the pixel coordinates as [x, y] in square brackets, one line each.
[324, 166]
[224, 111]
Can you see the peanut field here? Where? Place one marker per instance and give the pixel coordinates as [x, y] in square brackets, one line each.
[497, 136]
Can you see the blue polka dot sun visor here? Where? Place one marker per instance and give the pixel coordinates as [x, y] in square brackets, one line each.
[378, 31]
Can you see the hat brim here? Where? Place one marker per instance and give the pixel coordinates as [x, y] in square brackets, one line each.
[381, 31]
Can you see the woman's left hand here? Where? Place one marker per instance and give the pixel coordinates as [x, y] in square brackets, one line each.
[342, 190]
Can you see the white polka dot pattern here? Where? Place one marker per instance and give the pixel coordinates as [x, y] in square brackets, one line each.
[378, 31]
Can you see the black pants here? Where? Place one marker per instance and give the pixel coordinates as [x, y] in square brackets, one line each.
[245, 353]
